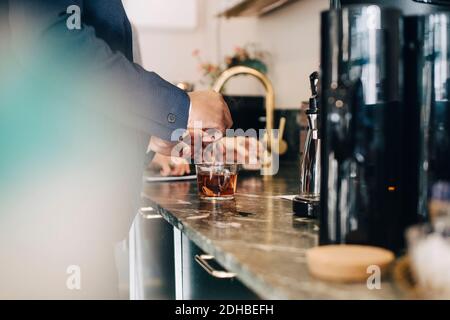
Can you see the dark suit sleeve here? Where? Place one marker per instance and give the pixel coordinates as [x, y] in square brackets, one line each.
[157, 106]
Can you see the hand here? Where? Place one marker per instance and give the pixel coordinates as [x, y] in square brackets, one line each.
[175, 149]
[169, 166]
[209, 108]
[160, 146]
[246, 151]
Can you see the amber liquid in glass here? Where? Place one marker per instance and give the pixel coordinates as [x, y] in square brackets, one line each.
[216, 185]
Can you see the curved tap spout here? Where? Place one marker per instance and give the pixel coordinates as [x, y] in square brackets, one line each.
[270, 100]
[270, 94]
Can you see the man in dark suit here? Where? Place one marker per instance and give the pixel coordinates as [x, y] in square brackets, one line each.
[76, 118]
[106, 36]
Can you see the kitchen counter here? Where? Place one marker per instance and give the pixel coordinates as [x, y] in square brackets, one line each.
[256, 236]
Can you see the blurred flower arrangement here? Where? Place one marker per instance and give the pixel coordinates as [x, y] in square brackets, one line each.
[250, 56]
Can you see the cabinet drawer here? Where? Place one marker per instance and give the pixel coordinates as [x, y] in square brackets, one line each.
[203, 278]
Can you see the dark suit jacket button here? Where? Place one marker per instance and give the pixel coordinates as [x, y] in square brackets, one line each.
[171, 118]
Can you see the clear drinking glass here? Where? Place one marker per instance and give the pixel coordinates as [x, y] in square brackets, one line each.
[217, 181]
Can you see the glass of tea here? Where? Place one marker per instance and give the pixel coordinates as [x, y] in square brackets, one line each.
[217, 181]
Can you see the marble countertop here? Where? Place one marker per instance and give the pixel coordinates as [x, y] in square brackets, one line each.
[256, 236]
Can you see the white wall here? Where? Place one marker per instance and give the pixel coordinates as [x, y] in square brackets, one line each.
[291, 35]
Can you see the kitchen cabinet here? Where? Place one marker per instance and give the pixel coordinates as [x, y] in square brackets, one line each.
[243, 8]
[151, 253]
[165, 264]
[210, 281]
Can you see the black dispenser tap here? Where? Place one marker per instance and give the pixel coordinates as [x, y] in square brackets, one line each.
[306, 204]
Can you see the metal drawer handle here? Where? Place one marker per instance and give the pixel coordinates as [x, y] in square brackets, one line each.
[203, 259]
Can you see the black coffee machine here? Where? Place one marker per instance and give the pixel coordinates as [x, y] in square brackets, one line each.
[427, 55]
[362, 85]
[378, 104]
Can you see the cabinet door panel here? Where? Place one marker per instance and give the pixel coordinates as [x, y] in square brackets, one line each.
[198, 284]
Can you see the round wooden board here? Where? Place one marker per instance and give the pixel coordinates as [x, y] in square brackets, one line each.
[347, 263]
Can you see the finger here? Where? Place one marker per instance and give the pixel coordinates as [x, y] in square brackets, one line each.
[165, 170]
[255, 150]
[227, 115]
[208, 154]
[183, 169]
[177, 170]
[208, 138]
[221, 126]
[220, 152]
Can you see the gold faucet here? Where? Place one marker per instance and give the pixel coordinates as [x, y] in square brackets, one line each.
[270, 101]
